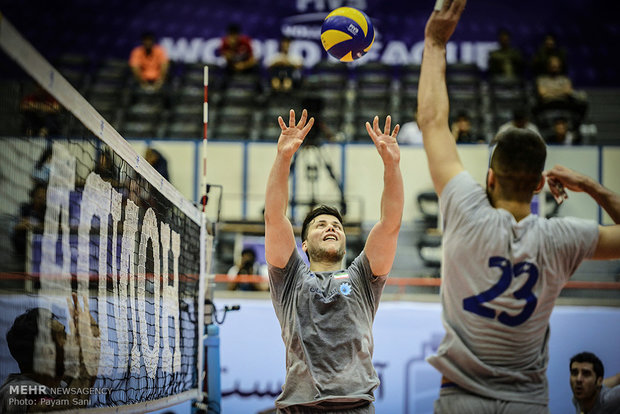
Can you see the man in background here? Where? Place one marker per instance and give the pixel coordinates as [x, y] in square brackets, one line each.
[247, 265]
[149, 63]
[592, 393]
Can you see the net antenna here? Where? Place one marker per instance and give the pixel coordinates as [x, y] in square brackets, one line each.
[132, 247]
[205, 116]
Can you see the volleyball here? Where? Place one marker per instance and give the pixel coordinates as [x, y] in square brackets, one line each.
[347, 34]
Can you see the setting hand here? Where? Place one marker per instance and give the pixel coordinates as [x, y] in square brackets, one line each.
[385, 142]
[293, 135]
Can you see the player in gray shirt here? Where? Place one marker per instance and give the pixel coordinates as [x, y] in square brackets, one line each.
[592, 393]
[325, 311]
[502, 267]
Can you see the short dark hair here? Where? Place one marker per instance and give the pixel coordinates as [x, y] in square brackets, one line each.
[597, 365]
[518, 161]
[503, 30]
[148, 35]
[520, 114]
[462, 114]
[22, 335]
[322, 209]
[233, 28]
[249, 250]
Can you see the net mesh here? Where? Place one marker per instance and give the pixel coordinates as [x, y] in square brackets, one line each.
[100, 259]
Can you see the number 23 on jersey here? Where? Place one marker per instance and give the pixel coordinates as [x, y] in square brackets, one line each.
[476, 303]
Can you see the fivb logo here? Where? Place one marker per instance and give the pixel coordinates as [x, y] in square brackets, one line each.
[100, 200]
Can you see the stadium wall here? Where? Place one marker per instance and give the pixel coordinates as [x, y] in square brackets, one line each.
[242, 169]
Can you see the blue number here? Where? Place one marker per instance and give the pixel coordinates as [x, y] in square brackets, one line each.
[524, 293]
[476, 305]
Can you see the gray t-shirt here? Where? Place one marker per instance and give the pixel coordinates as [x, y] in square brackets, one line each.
[500, 280]
[608, 402]
[326, 320]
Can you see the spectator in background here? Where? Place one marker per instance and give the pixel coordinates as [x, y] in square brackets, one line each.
[554, 90]
[463, 131]
[561, 134]
[236, 48]
[592, 393]
[41, 173]
[507, 61]
[520, 119]
[322, 132]
[107, 169]
[285, 68]
[157, 161]
[548, 48]
[247, 265]
[31, 219]
[149, 63]
[41, 114]
[410, 132]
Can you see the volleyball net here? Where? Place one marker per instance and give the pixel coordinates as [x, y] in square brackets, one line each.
[102, 261]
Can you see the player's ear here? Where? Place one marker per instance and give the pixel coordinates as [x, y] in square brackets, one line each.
[304, 246]
[541, 185]
[490, 178]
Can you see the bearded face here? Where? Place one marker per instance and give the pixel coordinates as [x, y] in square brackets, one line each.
[326, 240]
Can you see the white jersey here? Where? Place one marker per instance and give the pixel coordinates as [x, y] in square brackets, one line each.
[500, 280]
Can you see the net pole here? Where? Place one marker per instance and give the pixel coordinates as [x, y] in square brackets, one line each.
[205, 119]
[204, 367]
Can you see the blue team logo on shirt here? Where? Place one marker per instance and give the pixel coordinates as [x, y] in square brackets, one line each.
[345, 289]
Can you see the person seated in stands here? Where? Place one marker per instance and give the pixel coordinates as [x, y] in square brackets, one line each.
[247, 265]
[285, 68]
[236, 48]
[463, 131]
[520, 119]
[410, 131]
[107, 169]
[31, 219]
[506, 61]
[554, 91]
[561, 134]
[41, 114]
[149, 63]
[548, 48]
[157, 161]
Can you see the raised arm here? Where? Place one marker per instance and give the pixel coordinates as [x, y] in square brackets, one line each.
[559, 177]
[574, 181]
[612, 381]
[433, 105]
[279, 235]
[380, 246]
